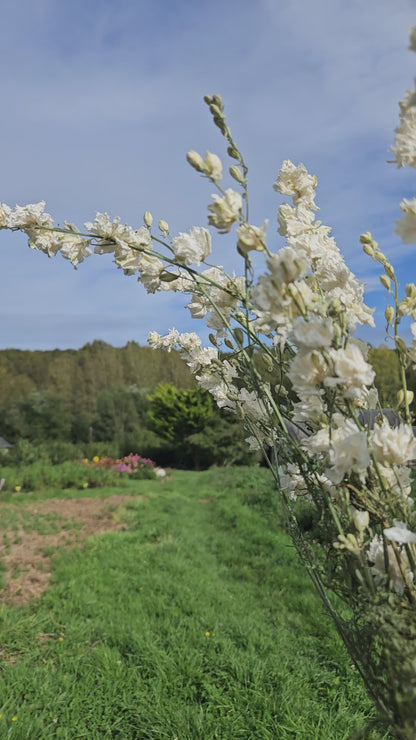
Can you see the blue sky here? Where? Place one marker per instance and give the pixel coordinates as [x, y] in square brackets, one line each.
[102, 99]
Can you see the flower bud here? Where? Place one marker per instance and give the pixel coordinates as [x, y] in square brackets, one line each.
[401, 345]
[163, 226]
[389, 315]
[213, 339]
[239, 336]
[236, 173]
[213, 166]
[404, 399]
[196, 161]
[216, 111]
[385, 281]
[168, 277]
[228, 343]
[388, 268]
[366, 238]
[368, 249]
[233, 152]
[361, 519]
[268, 362]
[148, 219]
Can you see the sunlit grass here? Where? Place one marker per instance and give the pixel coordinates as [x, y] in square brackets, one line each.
[197, 622]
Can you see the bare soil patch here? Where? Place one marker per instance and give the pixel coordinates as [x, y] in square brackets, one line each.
[26, 554]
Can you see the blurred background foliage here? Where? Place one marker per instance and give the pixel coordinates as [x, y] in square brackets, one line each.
[101, 400]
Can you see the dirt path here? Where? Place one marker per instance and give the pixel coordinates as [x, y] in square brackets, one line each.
[26, 543]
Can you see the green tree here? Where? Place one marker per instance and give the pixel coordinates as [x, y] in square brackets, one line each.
[120, 417]
[176, 414]
[387, 381]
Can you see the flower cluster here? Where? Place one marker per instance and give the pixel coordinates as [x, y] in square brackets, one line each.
[133, 464]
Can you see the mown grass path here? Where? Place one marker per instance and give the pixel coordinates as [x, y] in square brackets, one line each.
[196, 622]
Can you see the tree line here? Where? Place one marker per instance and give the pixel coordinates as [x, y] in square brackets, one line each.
[135, 398]
[129, 399]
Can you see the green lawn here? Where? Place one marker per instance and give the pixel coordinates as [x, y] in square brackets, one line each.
[196, 622]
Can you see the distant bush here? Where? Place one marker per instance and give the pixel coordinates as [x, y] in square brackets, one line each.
[42, 475]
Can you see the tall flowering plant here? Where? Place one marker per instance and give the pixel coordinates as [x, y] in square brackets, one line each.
[283, 357]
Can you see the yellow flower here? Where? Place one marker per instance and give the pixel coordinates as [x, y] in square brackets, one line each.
[61, 639]
[207, 634]
[14, 719]
[95, 458]
[18, 488]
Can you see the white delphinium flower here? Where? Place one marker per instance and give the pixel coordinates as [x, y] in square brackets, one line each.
[281, 295]
[115, 237]
[212, 166]
[48, 242]
[276, 306]
[399, 533]
[189, 341]
[198, 306]
[253, 443]
[406, 226]
[307, 371]
[398, 479]
[296, 181]
[309, 409]
[5, 212]
[150, 269]
[192, 248]
[109, 232]
[294, 220]
[337, 282]
[287, 265]
[407, 306]
[179, 281]
[223, 394]
[216, 295]
[127, 260]
[313, 334]
[29, 217]
[168, 342]
[351, 371]
[254, 405]
[129, 254]
[74, 248]
[293, 483]
[376, 555]
[404, 148]
[392, 446]
[348, 453]
[251, 238]
[316, 242]
[345, 449]
[225, 211]
[200, 358]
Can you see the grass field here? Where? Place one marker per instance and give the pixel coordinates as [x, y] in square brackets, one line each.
[192, 621]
